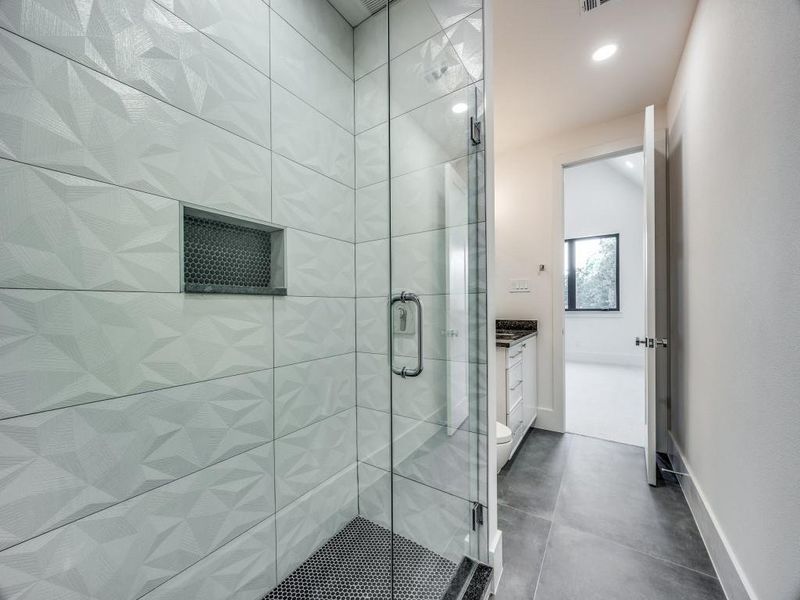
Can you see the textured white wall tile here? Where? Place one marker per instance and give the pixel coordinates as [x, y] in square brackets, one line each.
[431, 198]
[466, 36]
[306, 458]
[411, 21]
[372, 156]
[309, 74]
[61, 231]
[72, 462]
[372, 325]
[432, 518]
[374, 495]
[311, 391]
[371, 40]
[425, 72]
[372, 99]
[435, 455]
[372, 212]
[127, 550]
[449, 11]
[59, 114]
[374, 435]
[241, 26]
[323, 26]
[431, 134]
[308, 523]
[304, 199]
[372, 269]
[373, 381]
[64, 348]
[311, 328]
[152, 50]
[243, 569]
[319, 266]
[308, 137]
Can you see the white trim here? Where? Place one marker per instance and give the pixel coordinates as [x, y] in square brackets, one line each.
[727, 567]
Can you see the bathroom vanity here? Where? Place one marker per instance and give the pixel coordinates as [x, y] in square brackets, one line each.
[516, 376]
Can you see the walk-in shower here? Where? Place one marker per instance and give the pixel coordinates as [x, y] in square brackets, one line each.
[243, 308]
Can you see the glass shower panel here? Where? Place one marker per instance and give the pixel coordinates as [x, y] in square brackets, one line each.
[437, 306]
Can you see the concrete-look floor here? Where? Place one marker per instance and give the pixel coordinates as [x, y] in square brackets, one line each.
[580, 522]
[605, 401]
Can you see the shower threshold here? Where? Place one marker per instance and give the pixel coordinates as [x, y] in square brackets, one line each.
[355, 564]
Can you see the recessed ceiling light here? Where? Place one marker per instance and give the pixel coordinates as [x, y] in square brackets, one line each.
[604, 52]
[629, 164]
[459, 108]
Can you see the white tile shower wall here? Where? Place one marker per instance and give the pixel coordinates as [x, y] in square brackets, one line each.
[140, 420]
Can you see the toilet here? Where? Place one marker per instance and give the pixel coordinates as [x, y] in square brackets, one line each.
[503, 445]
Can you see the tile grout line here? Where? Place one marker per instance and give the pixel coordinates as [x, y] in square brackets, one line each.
[552, 521]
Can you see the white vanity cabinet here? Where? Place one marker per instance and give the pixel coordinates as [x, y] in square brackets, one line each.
[516, 388]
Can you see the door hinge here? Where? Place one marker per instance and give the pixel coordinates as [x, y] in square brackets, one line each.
[475, 131]
[477, 516]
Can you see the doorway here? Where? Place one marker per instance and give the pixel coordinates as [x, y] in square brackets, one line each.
[604, 297]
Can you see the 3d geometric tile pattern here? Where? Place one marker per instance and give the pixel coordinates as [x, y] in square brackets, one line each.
[374, 494]
[127, 550]
[241, 26]
[306, 458]
[319, 266]
[240, 570]
[308, 137]
[306, 72]
[65, 464]
[308, 523]
[466, 36]
[307, 200]
[308, 392]
[65, 232]
[364, 560]
[58, 114]
[311, 328]
[64, 348]
[372, 212]
[145, 46]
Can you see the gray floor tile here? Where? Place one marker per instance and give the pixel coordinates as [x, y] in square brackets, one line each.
[524, 539]
[581, 566]
[604, 492]
[547, 450]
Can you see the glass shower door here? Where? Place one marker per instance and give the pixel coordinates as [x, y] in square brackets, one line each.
[437, 325]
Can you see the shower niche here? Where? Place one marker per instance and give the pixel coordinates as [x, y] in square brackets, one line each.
[229, 255]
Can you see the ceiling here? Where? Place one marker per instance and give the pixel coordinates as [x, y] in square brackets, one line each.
[545, 80]
[630, 166]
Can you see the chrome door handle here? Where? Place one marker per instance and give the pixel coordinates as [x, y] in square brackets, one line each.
[405, 371]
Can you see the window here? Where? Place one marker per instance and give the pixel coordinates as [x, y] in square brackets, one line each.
[591, 273]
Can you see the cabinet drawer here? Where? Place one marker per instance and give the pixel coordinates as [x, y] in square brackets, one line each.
[514, 376]
[516, 421]
[514, 396]
[513, 356]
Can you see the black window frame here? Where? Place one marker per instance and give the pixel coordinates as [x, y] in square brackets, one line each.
[571, 278]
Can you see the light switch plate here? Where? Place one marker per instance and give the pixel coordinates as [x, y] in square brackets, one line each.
[520, 286]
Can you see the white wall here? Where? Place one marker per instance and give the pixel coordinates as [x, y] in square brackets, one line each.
[599, 200]
[734, 181]
[525, 200]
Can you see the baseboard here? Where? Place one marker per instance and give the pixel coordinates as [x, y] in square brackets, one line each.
[496, 559]
[729, 571]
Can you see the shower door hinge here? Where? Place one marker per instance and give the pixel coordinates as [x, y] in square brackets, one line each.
[477, 515]
[475, 131]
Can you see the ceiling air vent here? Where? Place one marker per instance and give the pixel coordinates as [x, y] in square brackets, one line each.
[374, 6]
[590, 5]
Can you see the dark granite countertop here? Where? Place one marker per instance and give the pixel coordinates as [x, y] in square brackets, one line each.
[510, 332]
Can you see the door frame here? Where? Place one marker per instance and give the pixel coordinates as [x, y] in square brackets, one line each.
[555, 418]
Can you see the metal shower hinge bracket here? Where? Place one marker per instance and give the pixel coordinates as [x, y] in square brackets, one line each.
[475, 131]
[477, 515]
